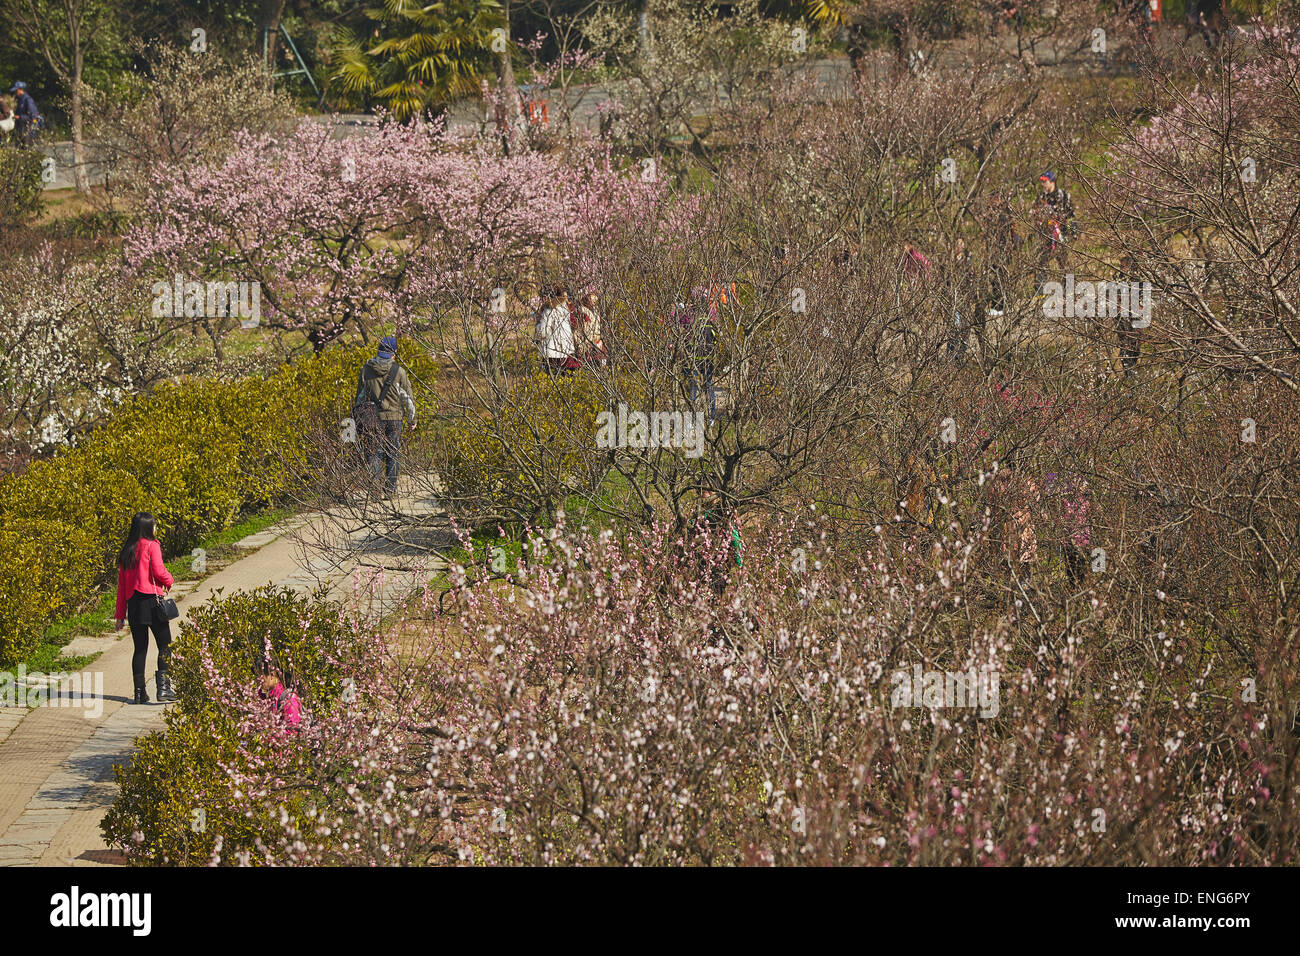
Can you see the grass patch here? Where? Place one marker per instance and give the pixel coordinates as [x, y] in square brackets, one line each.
[219, 547]
[95, 621]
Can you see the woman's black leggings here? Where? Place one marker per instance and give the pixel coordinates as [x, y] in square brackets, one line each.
[142, 614]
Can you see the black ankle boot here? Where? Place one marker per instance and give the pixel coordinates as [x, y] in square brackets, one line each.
[165, 695]
[141, 696]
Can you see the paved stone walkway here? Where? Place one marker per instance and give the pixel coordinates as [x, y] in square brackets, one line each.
[56, 762]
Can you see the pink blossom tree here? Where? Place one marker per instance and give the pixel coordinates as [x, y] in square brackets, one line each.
[1201, 201]
[341, 233]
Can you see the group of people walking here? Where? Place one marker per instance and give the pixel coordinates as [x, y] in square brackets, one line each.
[569, 338]
[974, 297]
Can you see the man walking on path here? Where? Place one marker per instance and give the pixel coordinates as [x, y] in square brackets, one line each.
[1054, 214]
[384, 389]
[27, 118]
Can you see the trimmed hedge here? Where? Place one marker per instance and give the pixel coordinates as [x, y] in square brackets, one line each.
[195, 453]
[179, 775]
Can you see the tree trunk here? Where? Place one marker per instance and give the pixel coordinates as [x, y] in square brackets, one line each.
[80, 176]
[268, 23]
[643, 30]
[510, 113]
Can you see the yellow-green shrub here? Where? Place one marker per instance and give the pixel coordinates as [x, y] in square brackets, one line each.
[21, 195]
[537, 448]
[176, 777]
[87, 490]
[48, 565]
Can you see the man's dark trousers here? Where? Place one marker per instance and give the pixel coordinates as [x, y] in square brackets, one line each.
[384, 462]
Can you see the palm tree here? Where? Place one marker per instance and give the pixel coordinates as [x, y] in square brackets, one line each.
[420, 57]
[833, 13]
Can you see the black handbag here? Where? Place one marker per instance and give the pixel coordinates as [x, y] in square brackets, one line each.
[167, 608]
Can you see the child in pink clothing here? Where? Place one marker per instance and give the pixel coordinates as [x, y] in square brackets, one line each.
[286, 701]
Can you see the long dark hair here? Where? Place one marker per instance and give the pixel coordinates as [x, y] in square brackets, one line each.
[142, 526]
[268, 665]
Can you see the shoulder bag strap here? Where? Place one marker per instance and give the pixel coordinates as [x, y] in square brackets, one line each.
[388, 384]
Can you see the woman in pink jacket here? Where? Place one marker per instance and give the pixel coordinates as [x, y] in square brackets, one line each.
[141, 581]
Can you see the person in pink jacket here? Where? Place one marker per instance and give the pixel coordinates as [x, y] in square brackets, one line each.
[916, 264]
[274, 689]
[141, 581]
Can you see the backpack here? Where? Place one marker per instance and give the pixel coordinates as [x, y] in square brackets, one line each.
[706, 336]
[366, 412]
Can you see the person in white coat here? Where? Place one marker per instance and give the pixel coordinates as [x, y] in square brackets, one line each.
[555, 334]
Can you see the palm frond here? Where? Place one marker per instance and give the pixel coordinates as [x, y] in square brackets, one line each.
[425, 54]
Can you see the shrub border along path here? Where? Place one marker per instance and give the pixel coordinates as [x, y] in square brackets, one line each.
[56, 764]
